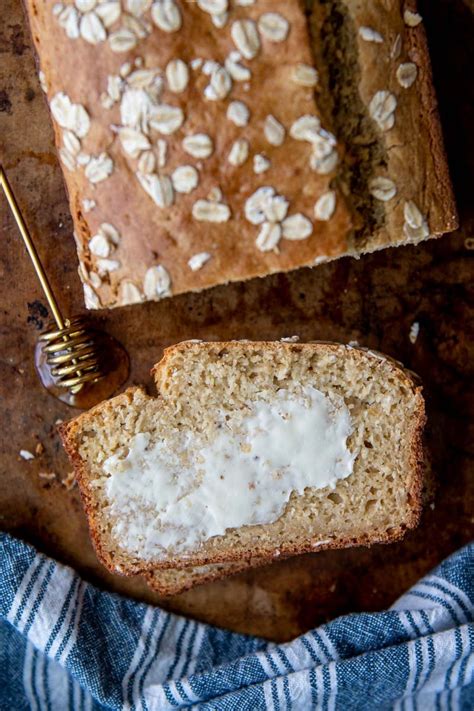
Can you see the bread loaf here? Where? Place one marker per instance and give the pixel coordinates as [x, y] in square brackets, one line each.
[208, 142]
[250, 451]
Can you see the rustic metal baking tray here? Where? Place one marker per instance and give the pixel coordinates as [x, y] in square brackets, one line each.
[374, 300]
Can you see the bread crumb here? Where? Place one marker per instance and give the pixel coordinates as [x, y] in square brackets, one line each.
[414, 331]
[39, 449]
[432, 506]
[320, 259]
[290, 339]
[25, 454]
[69, 481]
[47, 475]
[316, 544]
[58, 421]
[412, 19]
[332, 588]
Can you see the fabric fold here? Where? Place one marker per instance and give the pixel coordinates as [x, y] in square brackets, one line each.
[66, 645]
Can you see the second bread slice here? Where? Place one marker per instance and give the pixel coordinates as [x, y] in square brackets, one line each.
[173, 581]
[201, 444]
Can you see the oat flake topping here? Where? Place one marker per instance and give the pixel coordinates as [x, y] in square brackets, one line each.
[210, 211]
[238, 112]
[416, 225]
[382, 188]
[91, 298]
[69, 115]
[177, 75]
[297, 227]
[273, 26]
[325, 206]
[261, 164]
[274, 131]
[99, 168]
[305, 75]
[213, 7]
[197, 261]
[412, 19]
[370, 35]
[406, 74]
[166, 149]
[246, 38]
[268, 237]
[382, 109]
[129, 293]
[239, 152]
[198, 145]
[185, 179]
[166, 15]
[157, 282]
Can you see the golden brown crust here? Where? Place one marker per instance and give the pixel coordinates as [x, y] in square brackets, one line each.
[71, 433]
[175, 581]
[411, 154]
[442, 213]
[394, 534]
[189, 576]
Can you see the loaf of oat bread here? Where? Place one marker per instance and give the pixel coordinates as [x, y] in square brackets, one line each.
[213, 141]
[250, 451]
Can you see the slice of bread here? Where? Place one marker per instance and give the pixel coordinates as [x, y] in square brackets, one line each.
[172, 581]
[205, 389]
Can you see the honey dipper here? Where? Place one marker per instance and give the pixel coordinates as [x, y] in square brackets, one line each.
[77, 363]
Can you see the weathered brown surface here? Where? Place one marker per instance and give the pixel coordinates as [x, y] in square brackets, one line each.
[374, 301]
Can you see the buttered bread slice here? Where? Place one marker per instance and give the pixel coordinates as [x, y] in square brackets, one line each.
[251, 450]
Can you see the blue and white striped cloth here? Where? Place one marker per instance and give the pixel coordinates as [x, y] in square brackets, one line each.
[64, 645]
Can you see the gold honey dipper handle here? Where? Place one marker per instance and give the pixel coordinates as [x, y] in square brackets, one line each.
[71, 351]
[41, 274]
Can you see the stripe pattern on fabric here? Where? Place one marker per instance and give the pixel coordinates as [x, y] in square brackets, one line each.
[81, 649]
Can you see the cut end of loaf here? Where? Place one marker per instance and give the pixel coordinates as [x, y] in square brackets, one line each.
[200, 384]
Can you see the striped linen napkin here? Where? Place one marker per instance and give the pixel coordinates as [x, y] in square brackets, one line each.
[64, 645]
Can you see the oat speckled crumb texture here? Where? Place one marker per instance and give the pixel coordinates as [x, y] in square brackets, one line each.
[218, 140]
[203, 385]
